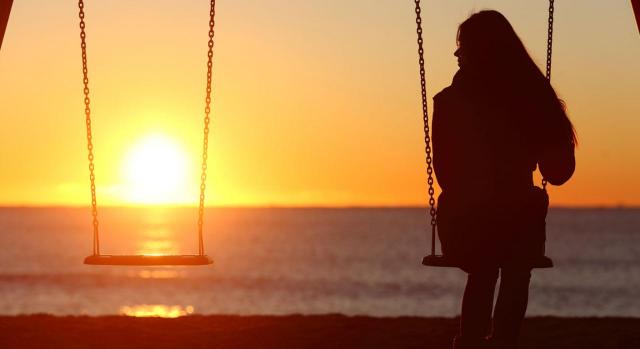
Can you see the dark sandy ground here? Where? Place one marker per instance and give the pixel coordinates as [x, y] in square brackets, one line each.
[283, 332]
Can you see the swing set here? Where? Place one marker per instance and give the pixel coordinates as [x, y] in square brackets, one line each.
[144, 260]
[96, 258]
[431, 259]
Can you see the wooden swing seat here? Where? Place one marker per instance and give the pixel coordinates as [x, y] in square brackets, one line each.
[147, 260]
[442, 261]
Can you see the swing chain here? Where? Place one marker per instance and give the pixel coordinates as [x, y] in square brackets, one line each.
[87, 113]
[549, 39]
[207, 111]
[87, 110]
[425, 118]
[549, 49]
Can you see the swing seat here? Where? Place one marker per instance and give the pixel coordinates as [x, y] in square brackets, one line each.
[147, 260]
[442, 261]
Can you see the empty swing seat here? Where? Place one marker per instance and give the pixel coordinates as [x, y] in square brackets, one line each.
[147, 260]
[442, 261]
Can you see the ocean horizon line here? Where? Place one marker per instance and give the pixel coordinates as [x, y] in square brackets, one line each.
[328, 207]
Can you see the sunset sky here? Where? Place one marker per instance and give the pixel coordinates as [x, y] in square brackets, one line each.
[315, 102]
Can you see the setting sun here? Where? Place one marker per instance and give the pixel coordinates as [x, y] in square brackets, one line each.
[157, 170]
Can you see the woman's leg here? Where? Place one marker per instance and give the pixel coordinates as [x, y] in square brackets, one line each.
[511, 306]
[477, 305]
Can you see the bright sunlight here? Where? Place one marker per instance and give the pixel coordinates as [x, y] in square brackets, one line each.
[156, 310]
[157, 170]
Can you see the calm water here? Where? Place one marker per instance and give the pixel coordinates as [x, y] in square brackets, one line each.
[281, 261]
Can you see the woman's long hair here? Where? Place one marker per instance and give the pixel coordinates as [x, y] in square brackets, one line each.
[495, 53]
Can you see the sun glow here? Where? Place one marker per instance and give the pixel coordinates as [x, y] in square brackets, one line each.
[157, 170]
[156, 310]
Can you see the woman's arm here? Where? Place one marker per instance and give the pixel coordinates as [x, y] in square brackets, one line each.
[557, 162]
[446, 148]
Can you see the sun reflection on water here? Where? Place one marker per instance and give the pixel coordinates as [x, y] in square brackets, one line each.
[156, 310]
[158, 274]
[157, 242]
[158, 233]
[157, 248]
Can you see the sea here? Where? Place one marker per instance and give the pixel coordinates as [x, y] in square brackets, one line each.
[353, 261]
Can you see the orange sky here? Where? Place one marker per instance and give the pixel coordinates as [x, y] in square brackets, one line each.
[316, 102]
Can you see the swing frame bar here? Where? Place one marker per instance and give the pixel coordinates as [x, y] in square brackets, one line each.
[5, 11]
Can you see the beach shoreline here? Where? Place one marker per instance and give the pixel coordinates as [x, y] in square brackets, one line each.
[297, 331]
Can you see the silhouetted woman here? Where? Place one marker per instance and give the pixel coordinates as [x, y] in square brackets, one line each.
[499, 119]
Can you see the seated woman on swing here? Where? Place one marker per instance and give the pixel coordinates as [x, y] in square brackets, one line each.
[499, 119]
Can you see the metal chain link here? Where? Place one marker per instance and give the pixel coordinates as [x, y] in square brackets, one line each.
[427, 136]
[549, 39]
[549, 51]
[87, 113]
[207, 111]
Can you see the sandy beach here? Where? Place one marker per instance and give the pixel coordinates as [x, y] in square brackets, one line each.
[296, 331]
